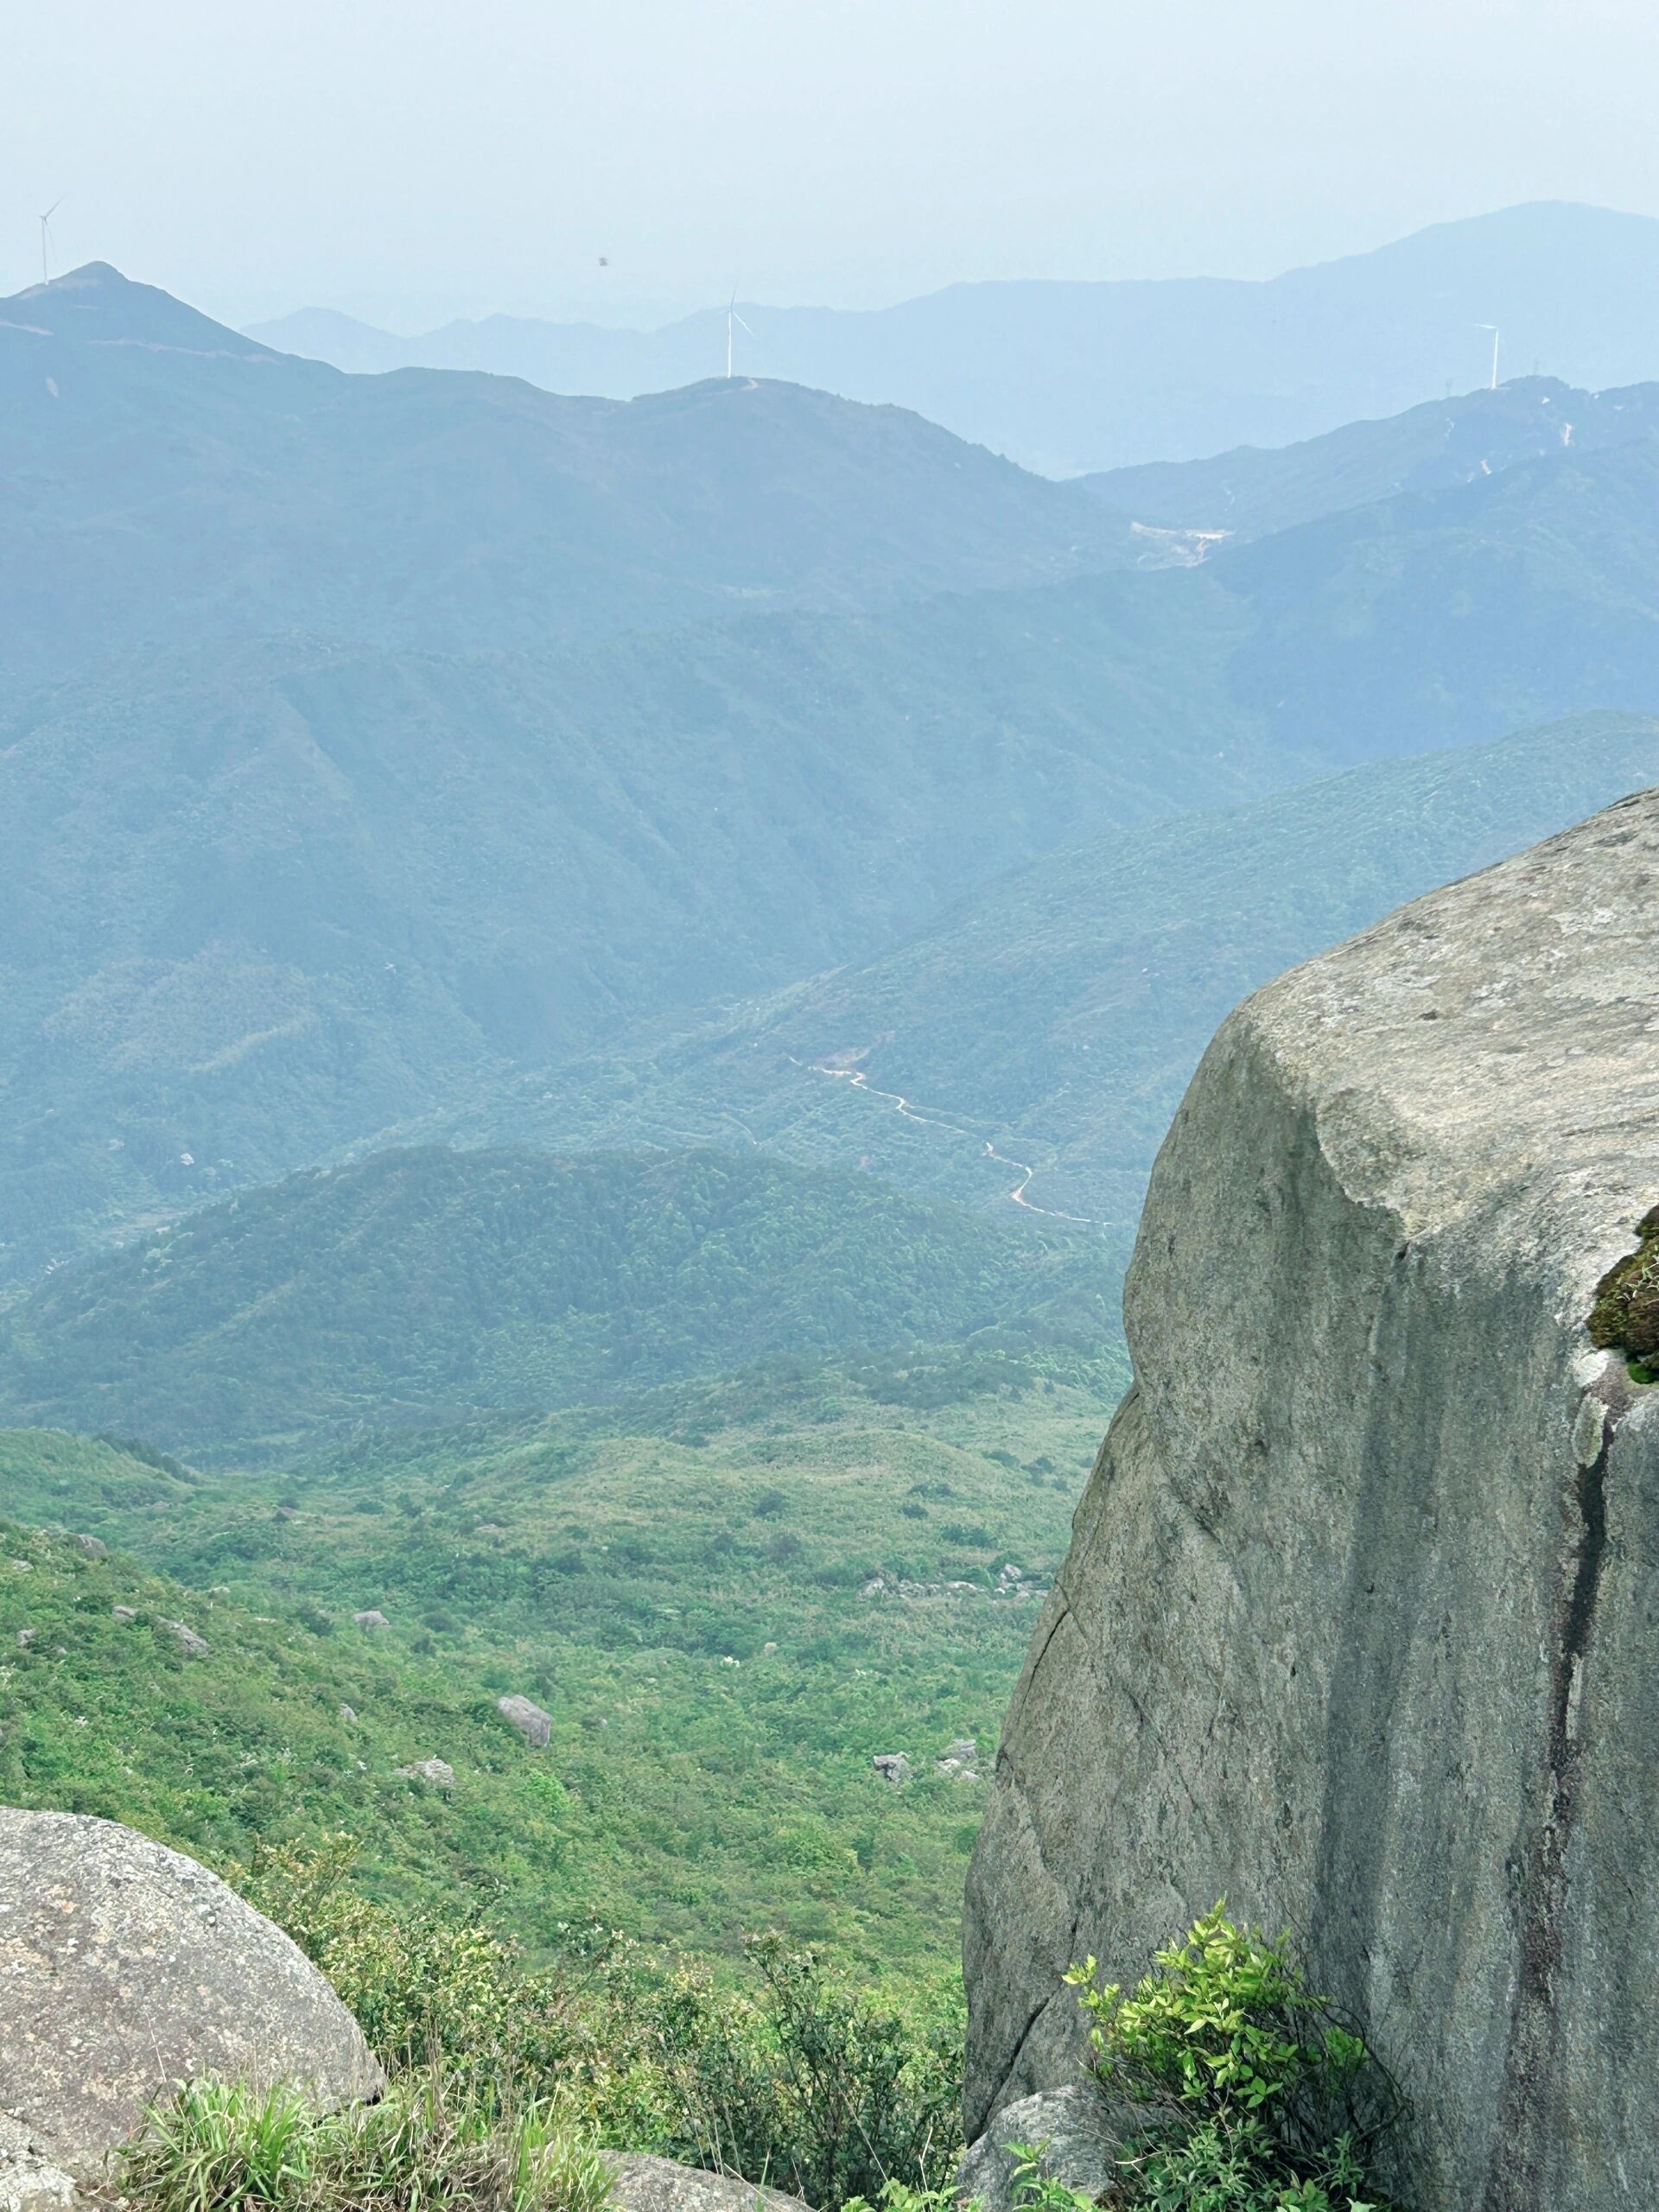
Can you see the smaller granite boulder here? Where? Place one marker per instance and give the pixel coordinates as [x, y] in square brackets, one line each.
[370, 1621]
[192, 1645]
[438, 1772]
[641, 2182]
[348, 1714]
[892, 1767]
[126, 1967]
[126, 1613]
[1076, 2129]
[533, 1724]
[94, 1546]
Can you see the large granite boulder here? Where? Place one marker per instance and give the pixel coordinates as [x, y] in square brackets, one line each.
[125, 1968]
[1360, 1622]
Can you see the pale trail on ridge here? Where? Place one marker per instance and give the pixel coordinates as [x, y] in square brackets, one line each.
[859, 1081]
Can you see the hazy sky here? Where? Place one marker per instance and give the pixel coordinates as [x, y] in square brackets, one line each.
[411, 160]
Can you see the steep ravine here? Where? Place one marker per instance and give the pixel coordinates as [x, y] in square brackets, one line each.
[1358, 1624]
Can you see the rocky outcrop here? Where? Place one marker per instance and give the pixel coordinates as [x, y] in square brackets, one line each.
[124, 1968]
[642, 2183]
[1358, 1622]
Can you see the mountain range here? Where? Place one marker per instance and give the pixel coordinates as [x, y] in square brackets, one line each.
[274, 893]
[1068, 377]
[170, 482]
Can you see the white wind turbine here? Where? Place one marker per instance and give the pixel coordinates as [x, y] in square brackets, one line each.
[1492, 327]
[733, 316]
[45, 234]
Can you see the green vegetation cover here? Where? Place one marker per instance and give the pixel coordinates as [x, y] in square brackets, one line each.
[431, 1284]
[729, 1598]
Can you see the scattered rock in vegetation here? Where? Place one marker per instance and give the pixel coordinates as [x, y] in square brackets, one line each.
[438, 1772]
[961, 1760]
[533, 1724]
[94, 1546]
[642, 2183]
[1080, 2139]
[124, 1612]
[192, 1645]
[370, 1621]
[892, 1766]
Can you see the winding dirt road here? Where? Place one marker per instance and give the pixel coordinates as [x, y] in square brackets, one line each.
[857, 1079]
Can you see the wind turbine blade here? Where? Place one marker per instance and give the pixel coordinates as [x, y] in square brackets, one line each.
[53, 208]
[741, 324]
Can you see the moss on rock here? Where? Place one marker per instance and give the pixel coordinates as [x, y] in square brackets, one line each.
[1625, 1316]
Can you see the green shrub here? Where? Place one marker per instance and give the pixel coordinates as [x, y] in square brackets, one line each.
[1255, 2094]
[430, 2144]
[794, 2079]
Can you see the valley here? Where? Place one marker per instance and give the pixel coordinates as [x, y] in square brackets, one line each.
[619, 1005]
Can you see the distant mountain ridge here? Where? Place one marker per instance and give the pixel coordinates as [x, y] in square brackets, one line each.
[173, 483]
[1069, 377]
[1255, 491]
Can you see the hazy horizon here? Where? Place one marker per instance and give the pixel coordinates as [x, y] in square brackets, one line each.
[408, 166]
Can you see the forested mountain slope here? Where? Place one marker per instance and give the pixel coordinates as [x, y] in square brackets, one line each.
[170, 482]
[1060, 1014]
[431, 1284]
[1069, 377]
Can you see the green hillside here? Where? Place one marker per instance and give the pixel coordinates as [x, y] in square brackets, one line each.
[681, 1584]
[265, 900]
[1060, 1015]
[171, 482]
[429, 1285]
[1256, 490]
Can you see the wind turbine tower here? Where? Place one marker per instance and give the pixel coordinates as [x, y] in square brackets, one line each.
[1492, 327]
[46, 235]
[733, 316]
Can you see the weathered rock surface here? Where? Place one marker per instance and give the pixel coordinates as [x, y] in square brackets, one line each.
[29, 2183]
[643, 2183]
[125, 1967]
[1073, 2129]
[528, 1717]
[1360, 1621]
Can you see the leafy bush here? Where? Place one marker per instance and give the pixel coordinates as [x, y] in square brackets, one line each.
[795, 2080]
[1252, 2093]
[429, 2145]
